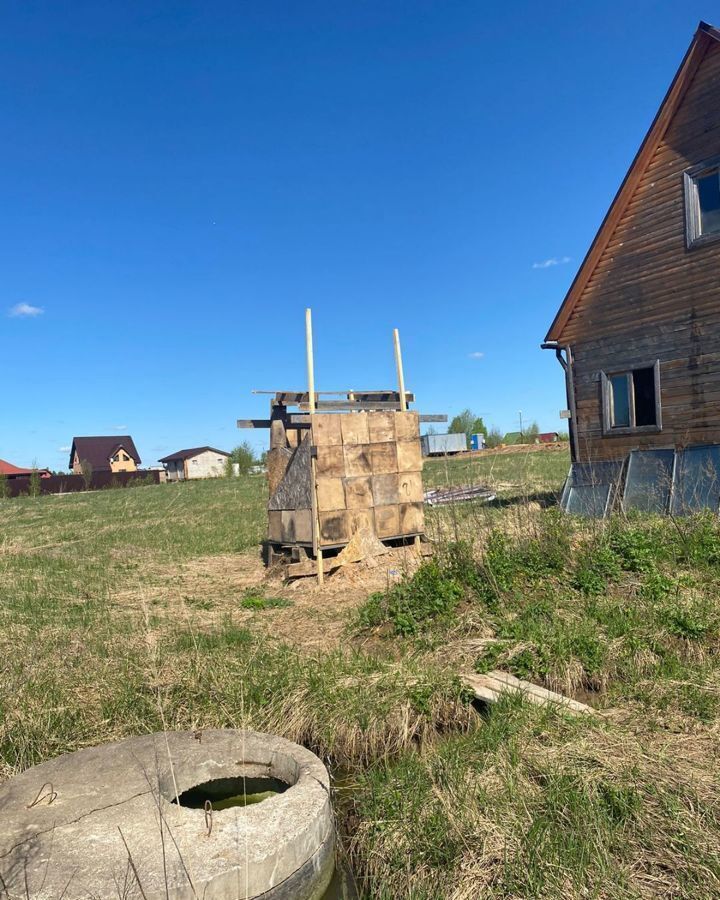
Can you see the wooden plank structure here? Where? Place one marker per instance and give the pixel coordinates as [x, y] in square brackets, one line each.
[644, 301]
[341, 466]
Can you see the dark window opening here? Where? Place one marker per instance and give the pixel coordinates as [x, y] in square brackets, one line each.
[631, 400]
[644, 390]
[708, 199]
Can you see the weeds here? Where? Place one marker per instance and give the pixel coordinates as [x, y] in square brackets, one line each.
[259, 602]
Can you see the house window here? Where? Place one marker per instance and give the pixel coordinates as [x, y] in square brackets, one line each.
[702, 202]
[631, 400]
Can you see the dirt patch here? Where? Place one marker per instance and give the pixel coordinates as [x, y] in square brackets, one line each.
[209, 590]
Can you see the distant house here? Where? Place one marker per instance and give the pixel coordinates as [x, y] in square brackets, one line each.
[197, 462]
[548, 437]
[514, 437]
[104, 453]
[10, 471]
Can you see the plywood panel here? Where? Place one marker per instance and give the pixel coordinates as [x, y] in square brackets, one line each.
[407, 426]
[275, 526]
[326, 429]
[361, 520]
[382, 427]
[412, 518]
[409, 456]
[358, 492]
[355, 428]
[387, 521]
[385, 490]
[384, 458]
[330, 461]
[410, 487]
[357, 460]
[296, 526]
[330, 493]
[334, 527]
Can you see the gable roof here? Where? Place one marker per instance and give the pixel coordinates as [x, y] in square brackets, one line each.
[188, 454]
[7, 468]
[702, 39]
[98, 450]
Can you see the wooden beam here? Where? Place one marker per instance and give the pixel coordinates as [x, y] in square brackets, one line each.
[342, 405]
[253, 423]
[399, 367]
[294, 398]
[489, 687]
[298, 419]
[313, 461]
[310, 359]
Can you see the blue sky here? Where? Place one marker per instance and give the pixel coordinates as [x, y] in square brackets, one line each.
[178, 181]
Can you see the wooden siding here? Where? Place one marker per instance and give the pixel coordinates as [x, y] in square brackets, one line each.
[649, 297]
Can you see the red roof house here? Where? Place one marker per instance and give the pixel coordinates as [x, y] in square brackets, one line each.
[10, 471]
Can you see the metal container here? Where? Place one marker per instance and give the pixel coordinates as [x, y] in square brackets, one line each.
[443, 444]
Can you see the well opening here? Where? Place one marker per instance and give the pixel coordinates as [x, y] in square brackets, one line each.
[224, 793]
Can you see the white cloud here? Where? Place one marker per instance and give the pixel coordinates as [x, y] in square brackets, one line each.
[63, 449]
[553, 261]
[119, 427]
[477, 354]
[24, 310]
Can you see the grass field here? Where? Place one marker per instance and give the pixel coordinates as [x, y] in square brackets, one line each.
[133, 610]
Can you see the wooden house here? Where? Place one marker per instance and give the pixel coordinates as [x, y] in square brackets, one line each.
[638, 333]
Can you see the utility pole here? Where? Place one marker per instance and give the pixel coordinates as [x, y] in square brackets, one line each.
[521, 428]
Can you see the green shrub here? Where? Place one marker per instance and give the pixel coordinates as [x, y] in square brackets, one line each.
[597, 565]
[701, 545]
[34, 484]
[634, 547]
[413, 603]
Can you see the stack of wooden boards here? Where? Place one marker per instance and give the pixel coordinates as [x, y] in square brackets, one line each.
[368, 477]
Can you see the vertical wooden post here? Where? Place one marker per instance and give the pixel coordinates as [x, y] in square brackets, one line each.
[310, 359]
[399, 367]
[313, 462]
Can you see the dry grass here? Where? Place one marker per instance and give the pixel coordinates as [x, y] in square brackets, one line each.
[122, 613]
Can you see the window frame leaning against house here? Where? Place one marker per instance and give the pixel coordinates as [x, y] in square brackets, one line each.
[694, 235]
[607, 401]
